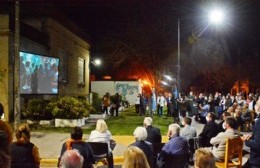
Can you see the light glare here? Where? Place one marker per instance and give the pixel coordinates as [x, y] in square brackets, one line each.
[216, 16]
[97, 61]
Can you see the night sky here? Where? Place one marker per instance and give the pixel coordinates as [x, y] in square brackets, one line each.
[101, 19]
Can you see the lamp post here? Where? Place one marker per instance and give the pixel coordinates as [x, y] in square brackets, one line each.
[179, 56]
[216, 17]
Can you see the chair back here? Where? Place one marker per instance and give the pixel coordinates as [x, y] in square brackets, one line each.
[100, 149]
[194, 143]
[233, 153]
[234, 149]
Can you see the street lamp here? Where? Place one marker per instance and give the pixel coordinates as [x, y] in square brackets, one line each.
[216, 17]
[96, 62]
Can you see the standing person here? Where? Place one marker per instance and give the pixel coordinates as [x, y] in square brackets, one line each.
[76, 142]
[137, 103]
[23, 152]
[253, 142]
[182, 105]
[102, 134]
[153, 103]
[190, 100]
[143, 104]
[71, 159]
[153, 133]
[170, 107]
[209, 131]
[140, 135]
[106, 103]
[161, 103]
[6, 138]
[134, 157]
[116, 100]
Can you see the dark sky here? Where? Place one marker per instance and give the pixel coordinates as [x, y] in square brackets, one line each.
[103, 16]
[99, 18]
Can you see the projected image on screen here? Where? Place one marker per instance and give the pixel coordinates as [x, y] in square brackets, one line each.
[38, 74]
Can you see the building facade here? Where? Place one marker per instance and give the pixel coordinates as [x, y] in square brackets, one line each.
[48, 37]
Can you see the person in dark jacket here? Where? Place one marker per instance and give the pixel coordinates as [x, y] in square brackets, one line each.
[6, 138]
[211, 129]
[140, 134]
[76, 142]
[253, 142]
[153, 133]
[24, 153]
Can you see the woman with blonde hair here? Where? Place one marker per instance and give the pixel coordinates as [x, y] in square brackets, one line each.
[204, 158]
[23, 152]
[102, 134]
[134, 157]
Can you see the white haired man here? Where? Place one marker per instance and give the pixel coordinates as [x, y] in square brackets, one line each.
[71, 159]
[176, 151]
[153, 133]
[140, 135]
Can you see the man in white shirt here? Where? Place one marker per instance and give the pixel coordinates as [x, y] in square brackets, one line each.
[161, 103]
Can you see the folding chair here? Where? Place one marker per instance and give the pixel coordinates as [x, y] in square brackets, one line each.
[233, 154]
[100, 151]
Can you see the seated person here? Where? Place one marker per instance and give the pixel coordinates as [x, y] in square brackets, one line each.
[153, 133]
[210, 130]
[24, 149]
[71, 158]
[6, 138]
[219, 142]
[204, 110]
[188, 131]
[75, 142]
[224, 116]
[102, 134]
[239, 120]
[204, 158]
[140, 134]
[134, 157]
[175, 152]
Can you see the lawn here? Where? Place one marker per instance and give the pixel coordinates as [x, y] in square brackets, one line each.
[124, 124]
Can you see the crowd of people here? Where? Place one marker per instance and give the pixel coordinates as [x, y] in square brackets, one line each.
[77, 153]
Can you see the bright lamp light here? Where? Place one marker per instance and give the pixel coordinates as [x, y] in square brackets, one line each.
[97, 61]
[216, 16]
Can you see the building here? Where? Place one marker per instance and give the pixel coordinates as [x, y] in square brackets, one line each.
[50, 35]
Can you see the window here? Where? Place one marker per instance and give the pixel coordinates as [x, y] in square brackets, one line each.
[81, 71]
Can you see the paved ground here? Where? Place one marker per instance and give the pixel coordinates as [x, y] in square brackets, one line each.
[50, 143]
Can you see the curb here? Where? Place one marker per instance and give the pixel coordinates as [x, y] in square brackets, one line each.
[118, 160]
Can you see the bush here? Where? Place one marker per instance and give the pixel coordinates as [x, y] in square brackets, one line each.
[37, 110]
[96, 103]
[69, 108]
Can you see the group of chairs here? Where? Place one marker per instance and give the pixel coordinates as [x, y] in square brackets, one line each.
[233, 153]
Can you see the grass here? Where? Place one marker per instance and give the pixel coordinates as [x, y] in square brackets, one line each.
[124, 124]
